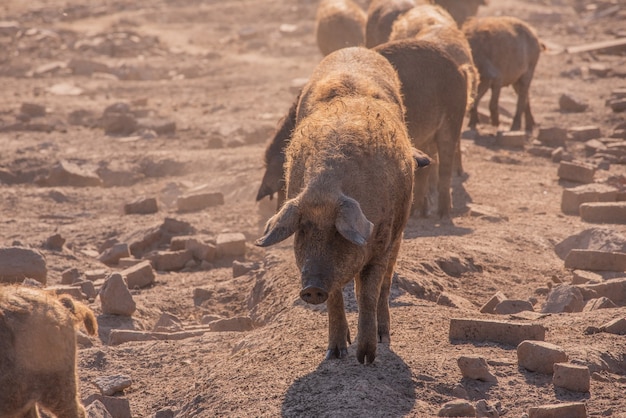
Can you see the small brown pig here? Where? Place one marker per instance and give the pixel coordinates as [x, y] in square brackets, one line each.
[38, 352]
[349, 180]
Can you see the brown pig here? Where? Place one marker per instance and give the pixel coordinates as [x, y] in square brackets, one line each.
[38, 352]
[349, 177]
[380, 17]
[506, 51]
[461, 10]
[339, 24]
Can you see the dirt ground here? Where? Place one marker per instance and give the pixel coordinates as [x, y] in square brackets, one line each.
[226, 72]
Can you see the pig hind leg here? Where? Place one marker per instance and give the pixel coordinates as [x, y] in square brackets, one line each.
[522, 88]
[482, 88]
[338, 331]
[382, 311]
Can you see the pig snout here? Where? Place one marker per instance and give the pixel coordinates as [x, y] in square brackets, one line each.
[314, 295]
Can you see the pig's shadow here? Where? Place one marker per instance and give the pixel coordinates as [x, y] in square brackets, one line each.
[346, 388]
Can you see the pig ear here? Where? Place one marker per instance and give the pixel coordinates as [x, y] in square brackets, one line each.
[421, 158]
[280, 226]
[352, 223]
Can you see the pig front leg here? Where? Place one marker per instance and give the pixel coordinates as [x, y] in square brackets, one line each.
[369, 288]
[338, 331]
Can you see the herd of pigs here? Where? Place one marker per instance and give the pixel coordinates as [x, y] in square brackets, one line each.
[370, 139]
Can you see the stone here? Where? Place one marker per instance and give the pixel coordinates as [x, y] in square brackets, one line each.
[475, 367]
[112, 255]
[70, 275]
[142, 206]
[599, 303]
[553, 137]
[239, 323]
[168, 323]
[614, 289]
[117, 407]
[573, 197]
[570, 103]
[54, 242]
[241, 268]
[73, 291]
[571, 377]
[140, 275]
[203, 251]
[19, 263]
[490, 305]
[511, 306]
[584, 133]
[603, 212]
[577, 172]
[616, 326]
[164, 413]
[199, 201]
[69, 174]
[457, 408]
[512, 139]
[115, 297]
[596, 260]
[563, 410]
[119, 123]
[170, 260]
[231, 245]
[583, 277]
[509, 333]
[33, 110]
[539, 356]
[96, 409]
[81, 66]
[87, 287]
[110, 385]
[564, 298]
[484, 410]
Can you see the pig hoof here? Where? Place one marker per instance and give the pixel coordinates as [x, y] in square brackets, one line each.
[332, 353]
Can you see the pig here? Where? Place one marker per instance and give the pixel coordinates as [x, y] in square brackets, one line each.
[435, 91]
[505, 51]
[273, 181]
[461, 10]
[380, 17]
[38, 352]
[349, 179]
[339, 24]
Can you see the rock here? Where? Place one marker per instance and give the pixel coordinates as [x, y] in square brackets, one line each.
[457, 408]
[614, 289]
[140, 275]
[164, 413]
[112, 255]
[577, 172]
[583, 277]
[69, 174]
[616, 326]
[33, 110]
[599, 303]
[70, 275]
[145, 241]
[603, 212]
[170, 260]
[512, 139]
[553, 137]
[484, 410]
[110, 385]
[168, 323]
[54, 242]
[454, 301]
[563, 410]
[201, 250]
[564, 298]
[490, 305]
[142, 205]
[570, 103]
[115, 297]
[231, 245]
[598, 238]
[117, 407]
[239, 323]
[119, 123]
[96, 409]
[241, 268]
[495, 331]
[18, 263]
[73, 291]
[584, 133]
[539, 356]
[475, 367]
[199, 201]
[571, 377]
[87, 287]
[573, 197]
[510, 306]
[86, 67]
[596, 260]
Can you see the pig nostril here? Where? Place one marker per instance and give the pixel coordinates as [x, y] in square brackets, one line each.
[314, 295]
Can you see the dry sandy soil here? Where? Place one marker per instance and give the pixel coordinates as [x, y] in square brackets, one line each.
[225, 72]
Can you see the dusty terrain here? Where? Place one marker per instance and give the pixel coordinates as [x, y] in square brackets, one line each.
[225, 72]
